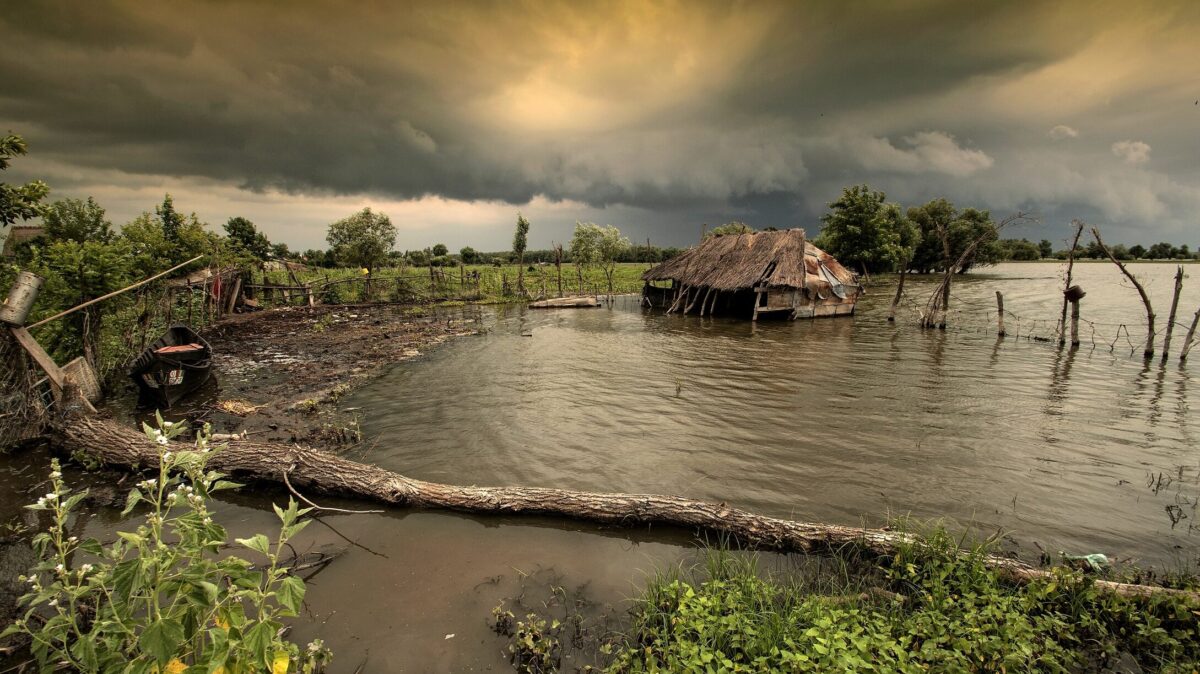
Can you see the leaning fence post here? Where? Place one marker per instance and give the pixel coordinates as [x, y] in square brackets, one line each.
[1000, 311]
[1187, 343]
[1174, 308]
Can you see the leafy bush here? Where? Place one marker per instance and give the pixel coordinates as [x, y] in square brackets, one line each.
[943, 609]
[158, 599]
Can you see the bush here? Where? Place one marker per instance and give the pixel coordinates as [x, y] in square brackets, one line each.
[158, 599]
[939, 609]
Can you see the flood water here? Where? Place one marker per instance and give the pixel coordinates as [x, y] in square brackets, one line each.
[830, 420]
[845, 420]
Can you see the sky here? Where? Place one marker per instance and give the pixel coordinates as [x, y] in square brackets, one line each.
[656, 117]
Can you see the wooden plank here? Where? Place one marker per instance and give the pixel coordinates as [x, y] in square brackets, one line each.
[39, 356]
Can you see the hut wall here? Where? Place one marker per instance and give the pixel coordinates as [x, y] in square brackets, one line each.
[660, 298]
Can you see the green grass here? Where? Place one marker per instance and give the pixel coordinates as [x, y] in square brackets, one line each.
[481, 284]
[932, 607]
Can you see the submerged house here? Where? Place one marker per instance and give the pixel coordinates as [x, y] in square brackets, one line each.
[777, 274]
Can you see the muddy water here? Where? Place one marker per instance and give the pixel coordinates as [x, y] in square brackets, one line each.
[842, 421]
[832, 420]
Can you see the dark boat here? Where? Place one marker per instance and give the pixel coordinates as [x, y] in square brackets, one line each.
[172, 367]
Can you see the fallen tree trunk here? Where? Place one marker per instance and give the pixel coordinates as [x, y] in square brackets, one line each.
[328, 473]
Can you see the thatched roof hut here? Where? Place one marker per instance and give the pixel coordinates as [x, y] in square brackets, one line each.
[18, 234]
[756, 273]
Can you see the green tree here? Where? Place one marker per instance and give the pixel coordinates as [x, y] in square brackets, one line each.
[734, 227]
[865, 232]
[18, 202]
[1020, 250]
[1046, 248]
[1160, 251]
[171, 219]
[1138, 251]
[246, 238]
[520, 241]
[75, 272]
[362, 240]
[468, 255]
[585, 247]
[156, 249]
[610, 246]
[942, 225]
[440, 249]
[79, 221]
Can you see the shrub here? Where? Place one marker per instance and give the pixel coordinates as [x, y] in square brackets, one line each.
[158, 599]
[935, 608]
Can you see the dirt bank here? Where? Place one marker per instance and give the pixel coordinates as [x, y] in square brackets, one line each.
[281, 373]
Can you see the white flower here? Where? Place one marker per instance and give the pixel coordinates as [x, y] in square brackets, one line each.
[73, 539]
[51, 496]
[55, 475]
[166, 455]
[162, 440]
[41, 501]
[60, 568]
[54, 602]
[85, 568]
[208, 520]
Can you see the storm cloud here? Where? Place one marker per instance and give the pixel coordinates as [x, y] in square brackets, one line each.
[652, 116]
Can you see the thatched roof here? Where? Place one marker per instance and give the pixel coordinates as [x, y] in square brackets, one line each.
[18, 234]
[738, 261]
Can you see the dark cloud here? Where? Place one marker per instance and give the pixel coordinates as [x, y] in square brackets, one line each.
[684, 113]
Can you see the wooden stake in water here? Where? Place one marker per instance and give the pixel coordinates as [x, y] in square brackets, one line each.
[1187, 343]
[899, 293]
[1062, 324]
[1000, 311]
[1174, 309]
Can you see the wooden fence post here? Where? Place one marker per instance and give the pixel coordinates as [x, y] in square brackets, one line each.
[1000, 311]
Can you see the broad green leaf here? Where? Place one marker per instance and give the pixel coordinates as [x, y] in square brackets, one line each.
[258, 542]
[291, 593]
[135, 496]
[161, 638]
[258, 640]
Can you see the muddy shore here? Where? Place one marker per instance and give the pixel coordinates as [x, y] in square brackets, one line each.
[281, 373]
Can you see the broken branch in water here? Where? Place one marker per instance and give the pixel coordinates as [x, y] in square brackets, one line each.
[1149, 350]
[300, 496]
[328, 473]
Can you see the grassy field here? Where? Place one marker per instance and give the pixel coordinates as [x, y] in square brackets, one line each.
[483, 284]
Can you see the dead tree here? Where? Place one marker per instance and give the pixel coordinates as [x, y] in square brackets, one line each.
[1149, 350]
[323, 472]
[1062, 323]
[1174, 309]
[938, 305]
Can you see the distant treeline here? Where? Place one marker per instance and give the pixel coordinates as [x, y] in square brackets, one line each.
[440, 256]
[866, 232]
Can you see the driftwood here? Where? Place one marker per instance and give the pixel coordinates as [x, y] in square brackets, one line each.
[327, 473]
[565, 302]
[1149, 350]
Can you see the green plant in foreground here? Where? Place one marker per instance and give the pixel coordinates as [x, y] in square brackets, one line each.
[947, 612]
[158, 599]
